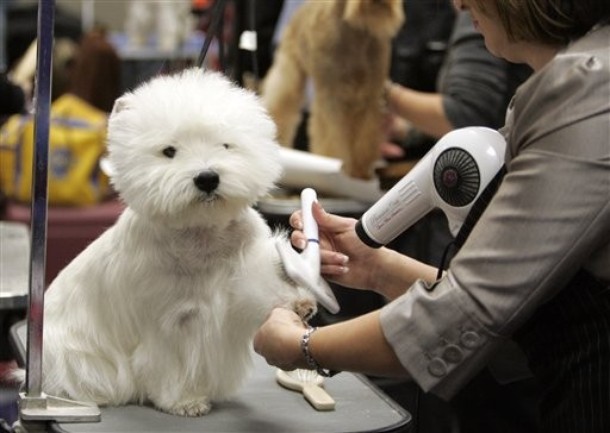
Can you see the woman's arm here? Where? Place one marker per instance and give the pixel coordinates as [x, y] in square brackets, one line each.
[397, 272]
[423, 110]
[354, 345]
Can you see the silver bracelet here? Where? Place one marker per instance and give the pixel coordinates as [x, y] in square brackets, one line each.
[311, 362]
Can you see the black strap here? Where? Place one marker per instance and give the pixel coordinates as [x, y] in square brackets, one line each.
[214, 29]
[473, 216]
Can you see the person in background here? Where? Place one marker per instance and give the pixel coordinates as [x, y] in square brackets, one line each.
[96, 76]
[18, 32]
[23, 73]
[473, 88]
[535, 265]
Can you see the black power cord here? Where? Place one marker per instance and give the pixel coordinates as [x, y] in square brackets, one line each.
[215, 27]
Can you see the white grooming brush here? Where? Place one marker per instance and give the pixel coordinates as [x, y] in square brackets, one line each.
[304, 268]
[309, 383]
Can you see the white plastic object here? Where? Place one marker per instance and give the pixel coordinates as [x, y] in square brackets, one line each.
[310, 384]
[304, 268]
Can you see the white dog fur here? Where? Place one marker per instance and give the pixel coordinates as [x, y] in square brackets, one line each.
[162, 307]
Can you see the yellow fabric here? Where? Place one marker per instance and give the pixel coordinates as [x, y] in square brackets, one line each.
[77, 141]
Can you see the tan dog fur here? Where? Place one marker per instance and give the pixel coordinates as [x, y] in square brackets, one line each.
[343, 46]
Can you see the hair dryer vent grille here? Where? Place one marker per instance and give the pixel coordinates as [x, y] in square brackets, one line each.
[456, 177]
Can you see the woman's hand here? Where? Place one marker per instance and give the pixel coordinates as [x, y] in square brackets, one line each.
[344, 258]
[347, 261]
[279, 340]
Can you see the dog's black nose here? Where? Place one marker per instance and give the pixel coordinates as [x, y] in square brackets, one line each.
[207, 181]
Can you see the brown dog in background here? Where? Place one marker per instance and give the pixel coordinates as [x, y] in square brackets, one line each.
[344, 47]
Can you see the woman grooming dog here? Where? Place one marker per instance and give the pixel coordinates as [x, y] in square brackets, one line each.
[535, 266]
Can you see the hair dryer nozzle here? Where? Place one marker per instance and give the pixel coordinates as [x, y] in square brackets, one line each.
[364, 236]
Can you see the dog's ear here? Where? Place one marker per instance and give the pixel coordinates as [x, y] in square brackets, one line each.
[121, 104]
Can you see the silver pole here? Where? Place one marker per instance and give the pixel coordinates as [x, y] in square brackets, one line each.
[46, 18]
[34, 406]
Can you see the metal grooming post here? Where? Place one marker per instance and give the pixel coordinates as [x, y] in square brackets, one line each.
[34, 405]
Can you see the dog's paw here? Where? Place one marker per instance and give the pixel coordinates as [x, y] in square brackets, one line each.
[190, 407]
[305, 308]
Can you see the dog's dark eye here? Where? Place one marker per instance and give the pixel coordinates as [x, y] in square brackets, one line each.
[169, 151]
[226, 145]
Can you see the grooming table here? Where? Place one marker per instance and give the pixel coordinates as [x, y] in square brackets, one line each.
[261, 405]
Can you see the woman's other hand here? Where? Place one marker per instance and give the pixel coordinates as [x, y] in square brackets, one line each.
[279, 340]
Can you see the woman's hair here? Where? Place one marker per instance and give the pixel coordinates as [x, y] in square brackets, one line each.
[96, 74]
[553, 22]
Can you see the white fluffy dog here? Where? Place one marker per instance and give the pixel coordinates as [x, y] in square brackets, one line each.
[162, 307]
